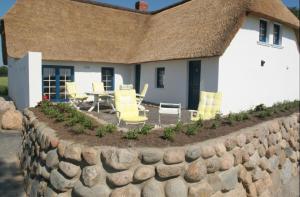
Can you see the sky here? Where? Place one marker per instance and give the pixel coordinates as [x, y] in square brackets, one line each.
[5, 5]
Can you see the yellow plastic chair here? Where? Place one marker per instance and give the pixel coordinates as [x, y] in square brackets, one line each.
[98, 87]
[127, 108]
[74, 96]
[209, 106]
[140, 97]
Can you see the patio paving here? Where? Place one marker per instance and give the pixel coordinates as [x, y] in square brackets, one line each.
[166, 120]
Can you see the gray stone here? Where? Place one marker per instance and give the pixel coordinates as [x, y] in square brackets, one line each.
[91, 175]
[229, 179]
[50, 192]
[128, 191]
[120, 159]
[274, 162]
[176, 188]
[69, 169]
[250, 148]
[261, 150]
[215, 182]
[202, 189]
[241, 140]
[90, 155]
[220, 149]
[174, 156]
[286, 172]
[207, 151]
[6, 106]
[153, 189]
[44, 173]
[73, 151]
[230, 143]
[60, 183]
[257, 174]
[196, 171]
[143, 173]
[244, 176]
[288, 152]
[52, 159]
[265, 165]
[96, 191]
[212, 164]
[62, 147]
[167, 171]
[151, 156]
[272, 139]
[227, 161]
[12, 120]
[193, 153]
[238, 156]
[120, 178]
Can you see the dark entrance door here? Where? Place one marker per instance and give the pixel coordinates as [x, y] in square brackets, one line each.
[137, 77]
[108, 78]
[194, 84]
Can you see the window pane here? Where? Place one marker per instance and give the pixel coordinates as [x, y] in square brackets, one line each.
[107, 78]
[263, 31]
[276, 33]
[160, 73]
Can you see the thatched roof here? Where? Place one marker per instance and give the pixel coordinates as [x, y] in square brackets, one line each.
[76, 30]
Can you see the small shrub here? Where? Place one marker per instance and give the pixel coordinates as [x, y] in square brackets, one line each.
[264, 114]
[101, 132]
[132, 135]
[192, 130]
[169, 134]
[110, 128]
[87, 123]
[71, 122]
[218, 117]
[60, 117]
[145, 130]
[78, 129]
[260, 107]
[64, 107]
[230, 119]
[200, 123]
[178, 127]
[215, 124]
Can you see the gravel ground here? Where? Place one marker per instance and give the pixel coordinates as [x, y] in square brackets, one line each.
[11, 179]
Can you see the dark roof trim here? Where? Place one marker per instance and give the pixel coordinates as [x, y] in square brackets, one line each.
[3, 41]
[93, 2]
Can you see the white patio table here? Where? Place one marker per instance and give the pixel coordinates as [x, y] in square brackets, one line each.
[106, 95]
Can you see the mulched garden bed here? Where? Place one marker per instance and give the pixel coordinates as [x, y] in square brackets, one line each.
[155, 138]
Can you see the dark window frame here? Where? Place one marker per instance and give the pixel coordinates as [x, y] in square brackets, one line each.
[263, 31]
[276, 34]
[112, 85]
[160, 74]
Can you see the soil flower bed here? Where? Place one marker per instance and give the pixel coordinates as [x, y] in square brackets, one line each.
[75, 125]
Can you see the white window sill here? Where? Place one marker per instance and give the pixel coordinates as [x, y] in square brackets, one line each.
[270, 45]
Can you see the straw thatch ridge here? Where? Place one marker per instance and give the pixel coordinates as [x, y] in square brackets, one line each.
[85, 31]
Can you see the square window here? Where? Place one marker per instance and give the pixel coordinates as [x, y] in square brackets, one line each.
[263, 31]
[160, 73]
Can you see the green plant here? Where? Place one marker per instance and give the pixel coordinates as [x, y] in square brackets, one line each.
[110, 128]
[78, 129]
[260, 107]
[71, 122]
[192, 130]
[178, 127]
[64, 107]
[145, 130]
[60, 117]
[169, 134]
[200, 123]
[86, 123]
[101, 132]
[230, 119]
[132, 134]
[264, 114]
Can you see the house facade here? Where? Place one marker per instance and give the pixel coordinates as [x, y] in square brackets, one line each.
[248, 50]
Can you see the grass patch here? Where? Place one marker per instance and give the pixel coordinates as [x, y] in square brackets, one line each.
[3, 86]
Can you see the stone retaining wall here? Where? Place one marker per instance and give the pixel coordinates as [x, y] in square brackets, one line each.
[257, 161]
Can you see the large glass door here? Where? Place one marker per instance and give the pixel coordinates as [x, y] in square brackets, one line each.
[54, 80]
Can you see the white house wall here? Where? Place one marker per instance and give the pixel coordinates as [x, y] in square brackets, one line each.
[245, 83]
[176, 80]
[25, 80]
[86, 73]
